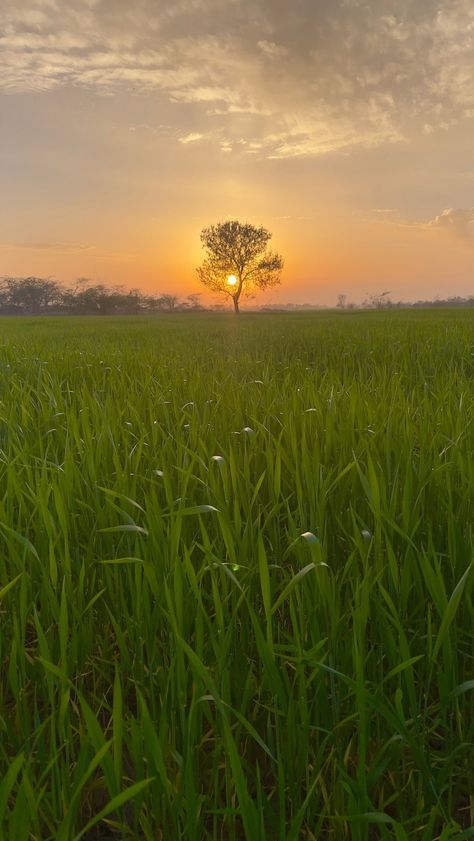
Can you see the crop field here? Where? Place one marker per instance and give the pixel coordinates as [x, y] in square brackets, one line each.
[236, 587]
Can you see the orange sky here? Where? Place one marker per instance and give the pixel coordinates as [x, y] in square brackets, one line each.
[345, 129]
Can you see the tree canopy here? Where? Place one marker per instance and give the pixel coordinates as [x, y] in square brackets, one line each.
[237, 262]
[38, 296]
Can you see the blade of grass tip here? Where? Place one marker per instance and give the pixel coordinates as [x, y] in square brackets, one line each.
[97, 739]
[119, 495]
[245, 724]
[130, 527]
[55, 670]
[20, 538]
[6, 589]
[291, 584]
[267, 656]
[200, 669]
[153, 744]
[64, 831]
[248, 810]
[19, 823]
[117, 719]
[371, 817]
[462, 688]
[8, 782]
[194, 509]
[93, 600]
[294, 830]
[265, 588]
[63, 626]
[118, 561]
[339, 476]
[400, 834]
[450, 612]
[402, 666]
[114, 805]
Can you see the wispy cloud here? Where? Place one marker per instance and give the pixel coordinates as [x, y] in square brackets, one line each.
[192, 137]
[272, 50]
[332, 78]
[59, 247]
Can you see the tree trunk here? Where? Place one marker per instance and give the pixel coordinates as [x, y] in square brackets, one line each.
[236, 305]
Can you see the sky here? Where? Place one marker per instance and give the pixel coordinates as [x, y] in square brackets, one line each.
[345, 127]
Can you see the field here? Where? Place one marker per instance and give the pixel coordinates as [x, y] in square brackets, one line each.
[235, 589]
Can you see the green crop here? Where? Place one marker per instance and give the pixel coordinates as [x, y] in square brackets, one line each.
[236, 586]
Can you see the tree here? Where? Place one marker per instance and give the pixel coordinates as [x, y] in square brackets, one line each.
[30, 295]
[167, 303]
[193, 302]
[378, 301]
[236, 260]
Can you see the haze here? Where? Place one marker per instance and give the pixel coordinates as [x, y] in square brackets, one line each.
[346, 127]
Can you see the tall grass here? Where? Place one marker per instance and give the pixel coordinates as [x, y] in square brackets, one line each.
[272, 645]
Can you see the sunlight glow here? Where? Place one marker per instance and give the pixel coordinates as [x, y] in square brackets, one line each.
[232, 280]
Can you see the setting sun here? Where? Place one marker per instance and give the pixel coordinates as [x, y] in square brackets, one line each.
[232, 280]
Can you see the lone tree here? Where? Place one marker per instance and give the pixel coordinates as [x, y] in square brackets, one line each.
[237, 261]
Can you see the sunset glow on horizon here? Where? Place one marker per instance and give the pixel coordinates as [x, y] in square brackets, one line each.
[345, 129]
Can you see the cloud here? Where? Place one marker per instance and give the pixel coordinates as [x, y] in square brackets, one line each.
[336, 76]
[457, 221]
[272, 50]
[193, 137]
[198, 93]
[59, 247]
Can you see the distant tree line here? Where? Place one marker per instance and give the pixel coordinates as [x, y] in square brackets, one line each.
[382, 301]
[374, 302]
[39, 296]
[453, 301]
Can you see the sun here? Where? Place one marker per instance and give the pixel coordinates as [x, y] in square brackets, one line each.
[232, 280]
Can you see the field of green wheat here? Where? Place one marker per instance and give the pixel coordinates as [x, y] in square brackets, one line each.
[236, 585]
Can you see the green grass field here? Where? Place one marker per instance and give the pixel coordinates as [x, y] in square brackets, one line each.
[236, 587]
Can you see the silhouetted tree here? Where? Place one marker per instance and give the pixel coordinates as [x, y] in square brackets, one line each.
[193, 302]
[236, 260]
[168, 303]
[380, 300]
[30, 295]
